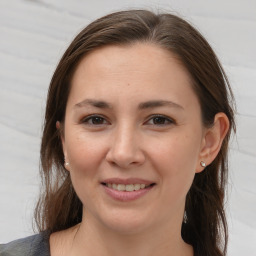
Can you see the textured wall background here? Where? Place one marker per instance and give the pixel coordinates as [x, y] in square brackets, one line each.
[34, 34]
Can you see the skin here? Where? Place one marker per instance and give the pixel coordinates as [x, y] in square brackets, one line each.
[124, 141]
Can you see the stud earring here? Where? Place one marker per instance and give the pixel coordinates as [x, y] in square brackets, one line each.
[66, 164]
[202, 163]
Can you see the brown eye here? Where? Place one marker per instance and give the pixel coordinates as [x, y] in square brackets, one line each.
[160, 120]
[95, 120]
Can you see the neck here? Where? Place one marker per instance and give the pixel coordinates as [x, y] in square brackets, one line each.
[93, 239]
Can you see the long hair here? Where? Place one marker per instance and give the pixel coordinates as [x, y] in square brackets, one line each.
[204, 225]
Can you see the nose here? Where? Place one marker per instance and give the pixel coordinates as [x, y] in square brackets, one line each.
[125, 149]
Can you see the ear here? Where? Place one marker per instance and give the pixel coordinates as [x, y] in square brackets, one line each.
[61, 132]
[212, 140]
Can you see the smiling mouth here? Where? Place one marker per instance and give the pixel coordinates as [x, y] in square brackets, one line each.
[127, 187]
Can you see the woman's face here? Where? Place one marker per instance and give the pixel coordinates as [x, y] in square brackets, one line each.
[133, 137]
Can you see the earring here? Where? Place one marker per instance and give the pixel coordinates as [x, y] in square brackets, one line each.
[66, 164]
[202, 163]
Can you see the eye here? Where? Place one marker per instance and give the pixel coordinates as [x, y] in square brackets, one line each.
[95, 120]
[160, 120]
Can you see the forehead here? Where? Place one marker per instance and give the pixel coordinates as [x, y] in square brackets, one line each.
[130, 58]
[139, 70]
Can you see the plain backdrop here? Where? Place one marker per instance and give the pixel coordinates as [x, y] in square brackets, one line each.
[34, 35]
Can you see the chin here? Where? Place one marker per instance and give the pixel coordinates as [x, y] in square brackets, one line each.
[127, 222]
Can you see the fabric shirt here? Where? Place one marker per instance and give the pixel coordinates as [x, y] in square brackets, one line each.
[36, 245]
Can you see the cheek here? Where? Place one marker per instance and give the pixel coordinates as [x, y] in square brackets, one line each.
[85, 155]
[176, 160]
[178, 152]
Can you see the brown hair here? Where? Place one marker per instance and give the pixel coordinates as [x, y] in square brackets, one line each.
[204, 225]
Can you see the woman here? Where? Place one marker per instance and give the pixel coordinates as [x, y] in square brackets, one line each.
[134, 148]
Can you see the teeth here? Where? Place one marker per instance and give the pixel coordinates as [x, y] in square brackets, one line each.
[142, 185]
[136, 186]
[129, 187]
[121, 187]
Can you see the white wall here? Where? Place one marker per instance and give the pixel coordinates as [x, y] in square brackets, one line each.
[34, 35]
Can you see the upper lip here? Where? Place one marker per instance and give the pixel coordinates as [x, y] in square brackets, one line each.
[127, 181]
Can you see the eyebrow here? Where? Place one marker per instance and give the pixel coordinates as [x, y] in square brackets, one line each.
[159, 103]
[94, 103]
[143, 105]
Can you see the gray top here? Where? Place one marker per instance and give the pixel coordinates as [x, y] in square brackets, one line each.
[36, 245]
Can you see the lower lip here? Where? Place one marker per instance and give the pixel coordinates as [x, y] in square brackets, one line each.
[125, 195]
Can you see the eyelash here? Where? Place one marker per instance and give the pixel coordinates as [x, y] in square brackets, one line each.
[164, 118]
[89, 120]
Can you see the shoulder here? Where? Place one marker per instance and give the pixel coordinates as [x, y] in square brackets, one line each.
[36, 245]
